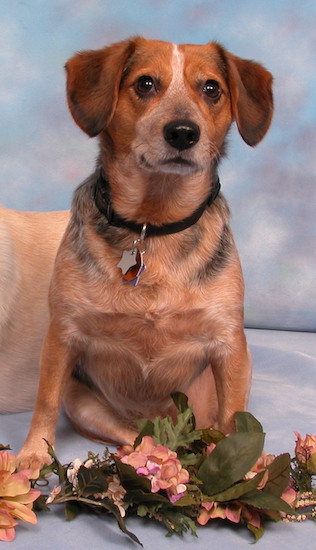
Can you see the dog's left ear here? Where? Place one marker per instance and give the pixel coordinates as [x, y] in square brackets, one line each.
[93, 80]
[251, 96]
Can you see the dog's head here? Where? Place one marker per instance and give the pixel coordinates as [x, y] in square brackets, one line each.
[165, 107]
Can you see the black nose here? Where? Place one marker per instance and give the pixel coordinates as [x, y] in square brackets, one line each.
[181, 134]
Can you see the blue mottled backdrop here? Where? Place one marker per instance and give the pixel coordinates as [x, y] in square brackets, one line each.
[271, 189]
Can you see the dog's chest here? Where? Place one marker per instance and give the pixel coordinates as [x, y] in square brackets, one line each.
[146, 333]
[143, 352]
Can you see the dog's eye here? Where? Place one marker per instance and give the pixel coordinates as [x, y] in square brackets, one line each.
[145, 85]
[212, 89]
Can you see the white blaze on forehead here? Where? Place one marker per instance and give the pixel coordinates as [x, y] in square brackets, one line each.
[177, 65]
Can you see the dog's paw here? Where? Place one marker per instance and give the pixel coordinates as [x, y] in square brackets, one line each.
[28, 460]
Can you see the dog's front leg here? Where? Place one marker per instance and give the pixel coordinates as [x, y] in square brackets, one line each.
[56, 364]
[231, 366]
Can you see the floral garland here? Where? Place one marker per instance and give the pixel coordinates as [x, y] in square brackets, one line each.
[175, 474]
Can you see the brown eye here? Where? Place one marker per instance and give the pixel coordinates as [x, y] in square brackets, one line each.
[145, 85]
[212, 89]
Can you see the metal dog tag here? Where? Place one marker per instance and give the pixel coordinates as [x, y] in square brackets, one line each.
[128, 260]
[132, 261]
[132, 266]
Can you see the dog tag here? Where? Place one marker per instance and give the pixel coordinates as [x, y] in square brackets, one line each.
[135, 280]
[132, 261]
[132, 266]
[128, 260]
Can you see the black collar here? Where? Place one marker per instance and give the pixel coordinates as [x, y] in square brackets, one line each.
[102, 199]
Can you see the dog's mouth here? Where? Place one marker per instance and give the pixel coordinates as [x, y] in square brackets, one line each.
[176, 164]
[178, 160]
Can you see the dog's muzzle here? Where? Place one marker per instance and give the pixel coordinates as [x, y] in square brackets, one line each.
[181, 134]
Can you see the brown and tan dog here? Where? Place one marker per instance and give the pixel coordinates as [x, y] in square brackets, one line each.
[123, 338]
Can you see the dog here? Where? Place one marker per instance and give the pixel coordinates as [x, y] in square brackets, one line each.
[146, 297]
[28, 242]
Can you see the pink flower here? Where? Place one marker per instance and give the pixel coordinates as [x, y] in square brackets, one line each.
[16, 496]
[212, 510]
[160, 465]
[305, 451]
[289, 495]
[263, 462]
[260, 466]
[210, 449]
[233, 512]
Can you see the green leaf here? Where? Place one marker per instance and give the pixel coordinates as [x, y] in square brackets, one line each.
[146, 427]
[266, 501]
[207, 437]
[169, 434]
[130, 479]
[246, 422]
[236, 491]
[257, 531]
[273, 515]
[302, 479]
[142, 510]
[40, 504]
[177, 435]
[56, 466]
[279, 475]
[311, 464]
[109, 506]
[91, 481]
[232, 458]
[186, 500]
[212, 436]
[122, 526]
[72, 510]
[47, 470]
[180, 400]
[190, 459]
[176, 522]
[138, 496]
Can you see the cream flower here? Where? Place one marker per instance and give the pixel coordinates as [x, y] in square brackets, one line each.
[72, 472]
[116, 493]
[54, 493]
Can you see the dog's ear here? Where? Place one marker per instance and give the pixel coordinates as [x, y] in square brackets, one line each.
[251, 96]
[93, 80]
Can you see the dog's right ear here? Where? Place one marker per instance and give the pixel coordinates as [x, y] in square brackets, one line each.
[93, 80]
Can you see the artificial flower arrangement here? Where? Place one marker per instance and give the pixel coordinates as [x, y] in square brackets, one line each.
[174, 474]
